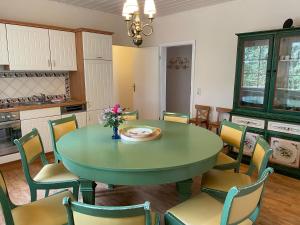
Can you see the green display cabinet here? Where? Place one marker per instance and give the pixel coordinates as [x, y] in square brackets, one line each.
[267, 93]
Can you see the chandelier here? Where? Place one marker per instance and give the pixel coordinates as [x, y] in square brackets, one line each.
[135, 27]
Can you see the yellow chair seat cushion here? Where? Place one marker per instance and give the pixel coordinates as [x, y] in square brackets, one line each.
[223, 180]
[47, 211]
[200, 210]
[224, 159]
[80, 218]
[55, 172]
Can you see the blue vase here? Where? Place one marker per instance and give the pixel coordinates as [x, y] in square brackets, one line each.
[115, 133]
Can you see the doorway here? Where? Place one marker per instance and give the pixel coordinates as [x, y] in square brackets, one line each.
[177, 76]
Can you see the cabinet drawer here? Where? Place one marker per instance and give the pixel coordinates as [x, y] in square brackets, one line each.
[284, 127]
[285, 152]
[39, 113]
[246, 121]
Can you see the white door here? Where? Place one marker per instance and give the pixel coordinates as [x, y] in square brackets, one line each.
[28, 48]
[123, 67]
[97, 46]
[80, 117]
[41, 124]
[3, 46]
[94, 117]
[63, 50]
[146, 79]
[98, 84]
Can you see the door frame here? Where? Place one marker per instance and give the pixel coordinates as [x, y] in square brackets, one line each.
[163, 71]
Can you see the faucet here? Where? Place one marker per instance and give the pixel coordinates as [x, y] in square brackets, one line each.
[40, 98]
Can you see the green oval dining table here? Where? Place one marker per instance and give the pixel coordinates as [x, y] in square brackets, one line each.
[180, 153]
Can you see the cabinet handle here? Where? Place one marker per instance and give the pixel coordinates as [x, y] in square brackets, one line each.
[53, 63]
[99, 57]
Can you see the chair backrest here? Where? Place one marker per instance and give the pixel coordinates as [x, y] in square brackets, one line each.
[243, 203]
[130, 115]
[59, 128]
[80, 213]
[260, 156]
[222, 111]
[31, 148]
[202, 112]
[176, 117]
[234, 135]
[6, 204]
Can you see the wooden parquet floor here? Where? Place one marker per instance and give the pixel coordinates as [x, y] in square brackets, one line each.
[281, 204]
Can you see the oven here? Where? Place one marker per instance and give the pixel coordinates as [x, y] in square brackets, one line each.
[10, 129]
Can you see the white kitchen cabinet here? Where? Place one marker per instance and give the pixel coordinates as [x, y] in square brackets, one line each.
[98, 84]
[3, 46]
[97, 46]
[94, 117]
[81, 118]
[63, 50]
[38, 119]
[28, 48]
[41, 124]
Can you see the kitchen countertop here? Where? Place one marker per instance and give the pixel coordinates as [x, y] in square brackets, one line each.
[42, 106]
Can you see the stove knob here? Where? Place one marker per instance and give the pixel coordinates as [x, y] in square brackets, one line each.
[14, 116]
[8, 116]
[2, 117]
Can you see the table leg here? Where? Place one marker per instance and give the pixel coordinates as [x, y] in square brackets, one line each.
[184, 189]
[87, 189]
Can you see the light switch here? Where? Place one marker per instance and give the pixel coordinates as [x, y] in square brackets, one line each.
[199, 91]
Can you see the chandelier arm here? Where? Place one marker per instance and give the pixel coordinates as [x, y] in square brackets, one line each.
[130, 29]
[151, 29]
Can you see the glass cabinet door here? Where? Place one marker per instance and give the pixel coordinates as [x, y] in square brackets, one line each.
[286, 93]
[254, 71]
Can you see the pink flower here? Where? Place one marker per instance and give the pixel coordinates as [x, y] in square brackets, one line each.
[116, 108]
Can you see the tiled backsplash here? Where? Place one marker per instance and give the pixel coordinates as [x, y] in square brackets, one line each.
[22, 85]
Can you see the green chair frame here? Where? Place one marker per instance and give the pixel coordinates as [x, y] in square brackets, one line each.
[133, 113]
[6, 203]
[34, 185]
[109, 211]
[236, 165]
[233, 193]
[268, 152]
[174, 114]
[53, 123]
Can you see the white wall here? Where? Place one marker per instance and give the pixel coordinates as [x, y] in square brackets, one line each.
[178, 80]
[60, 14]
[214, 29]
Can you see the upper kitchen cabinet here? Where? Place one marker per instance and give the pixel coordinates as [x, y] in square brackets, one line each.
[28, 48]
[3, 46]
[97, 46]
[63, 50]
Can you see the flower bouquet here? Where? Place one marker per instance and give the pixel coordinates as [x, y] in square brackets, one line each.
[113, 118]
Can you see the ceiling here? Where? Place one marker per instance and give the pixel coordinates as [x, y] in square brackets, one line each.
[164, 7]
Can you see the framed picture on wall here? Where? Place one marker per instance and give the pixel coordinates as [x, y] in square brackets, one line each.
[285, 152]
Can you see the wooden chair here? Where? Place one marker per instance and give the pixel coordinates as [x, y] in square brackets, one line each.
[218, 182]
[51, 176]
[48, 211]
[241, 206]
[80, 213]
[59, 128]
[233, 136]
[202, 115]
[128, 116]
[176, 117]
[216, 125]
